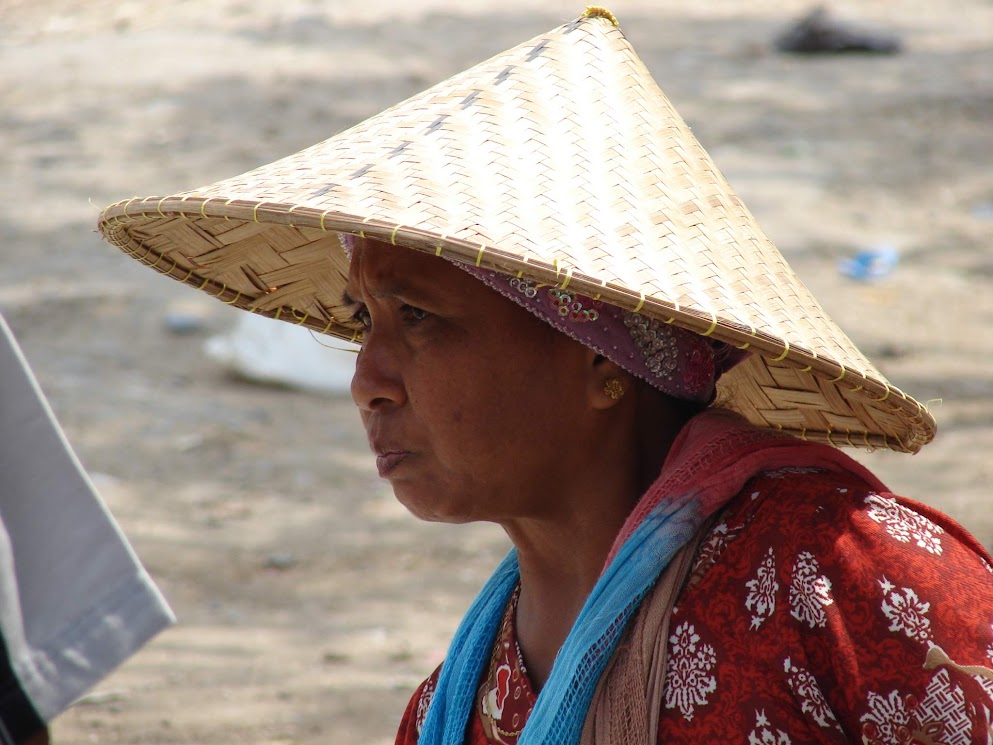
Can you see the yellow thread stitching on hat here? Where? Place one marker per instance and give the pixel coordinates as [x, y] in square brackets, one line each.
[713, 324]
[255, 212]
[393, 235]
[322, 220]
[782, 357]
[883, 398]
[328, 327]
[840, 375]
[479, 256]
[224, 288]
[437, 250]
[279, 312]
[747, 344]
[228, 204]
[356, 335]
[302, 320]
[597, 11]
[641, 302]
[203, 206]
[188, 275]
[172, 268]
[153, 266]
[158, 207]
[233, 300]
[128, 204]
[205, 281]
[568, 277]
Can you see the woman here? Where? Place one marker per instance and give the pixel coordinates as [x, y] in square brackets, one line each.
[549, 278]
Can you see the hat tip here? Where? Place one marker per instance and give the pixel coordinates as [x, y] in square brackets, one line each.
[598, 11]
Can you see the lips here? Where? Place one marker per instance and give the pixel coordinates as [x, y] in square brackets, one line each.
[387, 462]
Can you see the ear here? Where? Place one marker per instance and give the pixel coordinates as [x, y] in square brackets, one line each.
[608, 382]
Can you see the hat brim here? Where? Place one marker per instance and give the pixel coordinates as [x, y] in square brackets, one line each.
[211, 243]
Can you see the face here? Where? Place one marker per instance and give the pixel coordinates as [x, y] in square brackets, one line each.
[475, 409]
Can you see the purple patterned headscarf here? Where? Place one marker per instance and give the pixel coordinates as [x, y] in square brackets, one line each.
[677, 362]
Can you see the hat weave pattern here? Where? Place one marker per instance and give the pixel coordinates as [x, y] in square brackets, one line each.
[560, 161]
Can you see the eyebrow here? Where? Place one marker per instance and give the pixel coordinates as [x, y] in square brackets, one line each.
[400, 288]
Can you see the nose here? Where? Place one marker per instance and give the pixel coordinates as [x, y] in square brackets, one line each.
[377, 383]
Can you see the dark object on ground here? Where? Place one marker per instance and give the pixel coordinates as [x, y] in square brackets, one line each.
[816, 33]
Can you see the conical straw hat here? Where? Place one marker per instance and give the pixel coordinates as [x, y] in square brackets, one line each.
[561, 161]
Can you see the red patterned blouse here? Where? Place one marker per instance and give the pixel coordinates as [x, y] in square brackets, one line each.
[816, 612]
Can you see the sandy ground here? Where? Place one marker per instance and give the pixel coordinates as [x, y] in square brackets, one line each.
[310, 603]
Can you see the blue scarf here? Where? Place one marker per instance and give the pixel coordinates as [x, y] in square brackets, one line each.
[560, 710]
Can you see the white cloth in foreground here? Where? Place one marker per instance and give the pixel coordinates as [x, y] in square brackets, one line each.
[75, 601]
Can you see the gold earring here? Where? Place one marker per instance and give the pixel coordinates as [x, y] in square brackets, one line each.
[613, 388]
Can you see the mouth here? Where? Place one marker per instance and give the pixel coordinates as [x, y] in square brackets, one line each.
[387, 462]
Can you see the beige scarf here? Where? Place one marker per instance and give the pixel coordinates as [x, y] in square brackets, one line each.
[626, 705]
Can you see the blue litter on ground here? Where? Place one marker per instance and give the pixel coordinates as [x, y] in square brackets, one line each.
[873, 263]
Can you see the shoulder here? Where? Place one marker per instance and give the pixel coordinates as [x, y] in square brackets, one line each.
[417, 709]
[840, 519]
[830, 540]
[826, 605]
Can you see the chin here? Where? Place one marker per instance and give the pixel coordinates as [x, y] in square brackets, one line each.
[427, 507]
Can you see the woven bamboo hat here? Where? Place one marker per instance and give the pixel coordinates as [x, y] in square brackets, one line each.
[560, 161]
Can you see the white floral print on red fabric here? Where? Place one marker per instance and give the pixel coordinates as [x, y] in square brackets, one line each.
[713, 546]
[889, 719]
[764, 734]
[810, 592]
[424, 703]
[688, 681]
[761, 600]
[899, 719]
[903, 524]
[808, 693]
[906, 611]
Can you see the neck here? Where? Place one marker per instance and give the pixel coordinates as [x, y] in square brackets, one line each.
[560, 563]
[561, 554]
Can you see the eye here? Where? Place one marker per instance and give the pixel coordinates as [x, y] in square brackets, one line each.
[362, 317]
[414, 314]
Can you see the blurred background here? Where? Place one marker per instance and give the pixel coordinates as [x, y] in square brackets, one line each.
[310, 604]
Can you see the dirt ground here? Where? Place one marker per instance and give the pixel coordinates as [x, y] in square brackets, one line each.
[310, 604]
